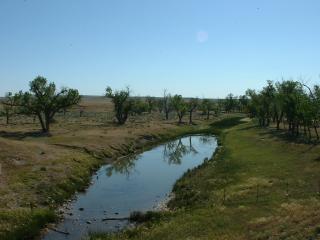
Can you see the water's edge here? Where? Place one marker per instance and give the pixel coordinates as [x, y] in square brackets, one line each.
[150, 144]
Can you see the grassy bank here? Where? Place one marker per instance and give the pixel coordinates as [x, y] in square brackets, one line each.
[258, 186]
[40, 172]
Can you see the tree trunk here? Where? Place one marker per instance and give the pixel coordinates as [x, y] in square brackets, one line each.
[208, 115]
[47, 126]
[47, 123]
[180, 116]
[41, 122]
[293, 127]
[309, 133]
[290, 126]
[316, 131]
[279, 119]
[190, 117]
[275, 117]
[121, 117]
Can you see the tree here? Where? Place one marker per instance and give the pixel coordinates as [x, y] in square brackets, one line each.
[122, 104]
[243, 103]
[306, 114]
[313, 107]
[159, 105]
[167, 105]
[179, 106]
[43, 101]
[252, 103]
[261, 104]
[138, 106]
[206, 107]
[151, 102]
[267, 97]
[316, 107]
[8, 106]
[192, 106]
[289, 103]
[291, 92]
[230, 102]
[277, 107]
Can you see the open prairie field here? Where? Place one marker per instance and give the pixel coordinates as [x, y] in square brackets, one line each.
[41, 171]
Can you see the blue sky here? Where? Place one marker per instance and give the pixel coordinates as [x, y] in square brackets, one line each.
[203, 48]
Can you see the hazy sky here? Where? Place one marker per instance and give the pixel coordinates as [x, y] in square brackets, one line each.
[191, 47]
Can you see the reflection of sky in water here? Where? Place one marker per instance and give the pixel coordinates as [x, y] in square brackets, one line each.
[133, 184]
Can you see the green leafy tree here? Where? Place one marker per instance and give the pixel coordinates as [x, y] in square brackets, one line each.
[179, 106]
[167, 103]
[267, 98]
[192, 106]
[159, 105]
[314, 99]
[291, 92]
[43, 101]
[287, 102]
[206, 106]
[151, 103]
[139, 106]
[8, 106]
[243, 103]
[277, 106]
[230, 103]
[122, 103]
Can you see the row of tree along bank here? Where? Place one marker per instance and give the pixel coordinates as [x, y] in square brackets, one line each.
[289, 104]
[44, 101]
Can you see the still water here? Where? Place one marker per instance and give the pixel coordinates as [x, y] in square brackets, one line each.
[139, 183]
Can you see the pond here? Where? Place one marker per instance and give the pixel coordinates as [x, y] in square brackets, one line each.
[139, 183]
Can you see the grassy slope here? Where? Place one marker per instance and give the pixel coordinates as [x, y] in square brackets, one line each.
[284, 174]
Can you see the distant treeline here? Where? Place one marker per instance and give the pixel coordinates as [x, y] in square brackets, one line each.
[43, 101]
[289, 103]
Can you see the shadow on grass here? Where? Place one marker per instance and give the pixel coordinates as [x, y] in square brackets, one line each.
[247, 128]
[226, 123]
[22, 135]
[288, 137]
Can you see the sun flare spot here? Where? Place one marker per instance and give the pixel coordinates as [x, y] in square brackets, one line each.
[202, 36]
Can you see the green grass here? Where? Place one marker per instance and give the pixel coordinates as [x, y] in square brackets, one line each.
[43, 195]
[24, 223]
[258, 186]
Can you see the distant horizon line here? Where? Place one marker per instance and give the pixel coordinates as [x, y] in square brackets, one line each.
[137, 96]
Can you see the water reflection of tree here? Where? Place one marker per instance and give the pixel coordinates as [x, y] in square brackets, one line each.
[124, 166]
[207, 140]
[174, 151]
[191, 148]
